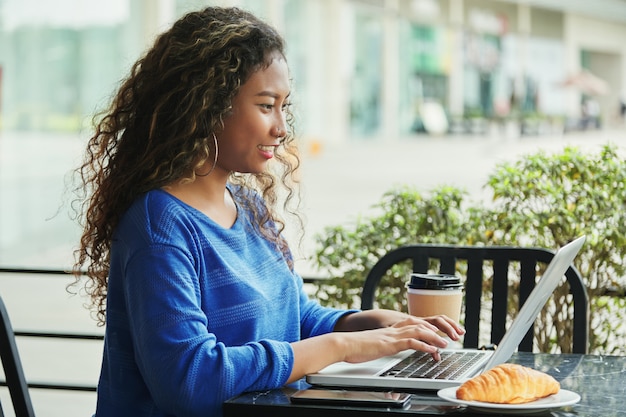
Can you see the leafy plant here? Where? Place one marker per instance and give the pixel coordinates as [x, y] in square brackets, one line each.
[406, 217]
[540, 200]
[546, 200]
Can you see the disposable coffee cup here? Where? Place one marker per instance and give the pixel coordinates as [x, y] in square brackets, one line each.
[435, 294]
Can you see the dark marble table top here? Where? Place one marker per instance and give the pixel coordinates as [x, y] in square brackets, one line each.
[599, 380]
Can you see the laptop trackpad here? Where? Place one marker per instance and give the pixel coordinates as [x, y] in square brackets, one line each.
[374, 367]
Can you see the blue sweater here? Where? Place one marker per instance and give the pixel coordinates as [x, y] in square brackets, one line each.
[197, 313]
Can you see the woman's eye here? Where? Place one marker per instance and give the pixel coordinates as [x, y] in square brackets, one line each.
[270, 107]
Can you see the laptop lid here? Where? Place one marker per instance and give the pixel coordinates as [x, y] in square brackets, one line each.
[368, 374]
[535, 302]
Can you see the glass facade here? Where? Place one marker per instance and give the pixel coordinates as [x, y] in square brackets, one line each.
[59, 61]
[57, 67]
[365, 84]
[428, 68]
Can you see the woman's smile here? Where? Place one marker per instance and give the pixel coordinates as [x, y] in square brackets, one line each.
[267, 150]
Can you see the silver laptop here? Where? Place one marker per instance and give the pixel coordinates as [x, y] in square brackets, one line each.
[417, 370]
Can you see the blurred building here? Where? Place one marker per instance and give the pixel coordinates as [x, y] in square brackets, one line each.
[362, 68]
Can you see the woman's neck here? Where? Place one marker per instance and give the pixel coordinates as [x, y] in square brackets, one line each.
[210, 196]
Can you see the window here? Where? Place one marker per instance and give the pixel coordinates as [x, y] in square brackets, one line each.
[59, 63]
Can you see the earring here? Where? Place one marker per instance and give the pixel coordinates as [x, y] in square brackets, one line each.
[214, 158]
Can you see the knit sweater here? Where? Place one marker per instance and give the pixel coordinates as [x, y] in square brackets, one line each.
[197, 313]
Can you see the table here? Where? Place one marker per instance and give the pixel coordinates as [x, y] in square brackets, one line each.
[600, 381]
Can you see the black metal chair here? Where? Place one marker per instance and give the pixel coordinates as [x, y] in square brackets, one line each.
[12, 365]
[475, 258]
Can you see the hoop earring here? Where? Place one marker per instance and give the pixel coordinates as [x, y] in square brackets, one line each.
[214, 159]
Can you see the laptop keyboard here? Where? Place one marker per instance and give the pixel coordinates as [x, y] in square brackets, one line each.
[422, 365]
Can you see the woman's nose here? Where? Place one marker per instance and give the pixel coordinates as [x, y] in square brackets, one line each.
[280, 129]
[278, 132]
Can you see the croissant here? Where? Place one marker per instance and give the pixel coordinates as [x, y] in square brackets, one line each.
[508, 384]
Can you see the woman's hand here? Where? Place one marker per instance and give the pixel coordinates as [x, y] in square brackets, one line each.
[315, 353]
[446, 325]
[373, 319]
[361, 346]
[371, 334]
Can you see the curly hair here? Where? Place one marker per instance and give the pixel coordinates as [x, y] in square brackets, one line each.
[159, 130]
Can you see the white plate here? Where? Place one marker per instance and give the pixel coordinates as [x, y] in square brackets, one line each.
[560, 399]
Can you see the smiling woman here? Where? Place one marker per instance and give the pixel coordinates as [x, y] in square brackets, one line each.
[249, 137]
[182, 244]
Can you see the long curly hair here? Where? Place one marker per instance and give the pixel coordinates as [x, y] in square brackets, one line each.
[159, 130]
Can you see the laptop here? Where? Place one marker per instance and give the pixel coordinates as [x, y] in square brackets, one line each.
[456, 365]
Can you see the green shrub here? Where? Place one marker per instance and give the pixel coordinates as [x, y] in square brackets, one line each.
[407, 217]
[541, 200]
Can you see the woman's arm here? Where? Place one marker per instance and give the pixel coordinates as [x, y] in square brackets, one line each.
[387, 332]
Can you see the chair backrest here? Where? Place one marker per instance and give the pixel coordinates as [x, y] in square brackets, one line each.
[12, 365]
[475, 257]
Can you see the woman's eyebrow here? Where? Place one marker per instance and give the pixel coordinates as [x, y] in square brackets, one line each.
[271, 94]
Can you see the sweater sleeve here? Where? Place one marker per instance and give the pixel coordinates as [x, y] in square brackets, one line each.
[186, 369]
[315, 319]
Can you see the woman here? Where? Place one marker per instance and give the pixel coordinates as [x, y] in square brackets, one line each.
[183, 247]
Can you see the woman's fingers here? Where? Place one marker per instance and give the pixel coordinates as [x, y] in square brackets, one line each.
[446, 325]
[440, 323]
[416, 321]
[372, 344]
